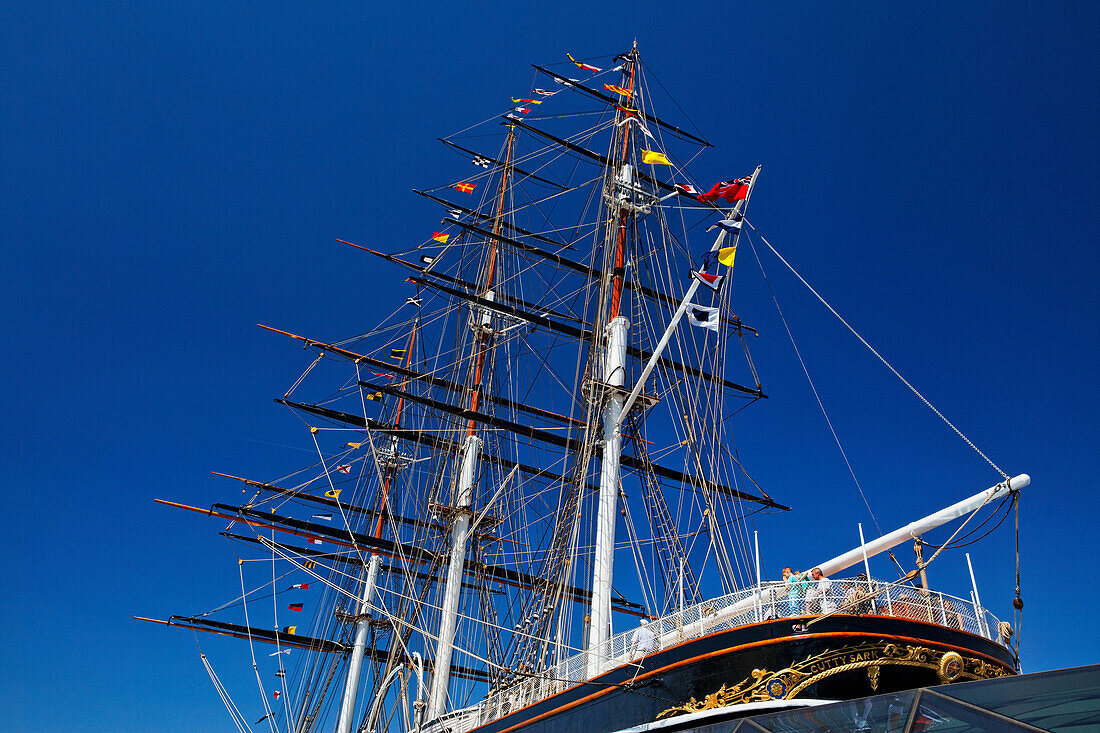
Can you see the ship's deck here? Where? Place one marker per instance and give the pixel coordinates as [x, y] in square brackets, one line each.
[763, 602]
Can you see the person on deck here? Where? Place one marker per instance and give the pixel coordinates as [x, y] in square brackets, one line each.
[643, 641]
[857, 599]
[798, 584]
[954, 618]
[819, 599]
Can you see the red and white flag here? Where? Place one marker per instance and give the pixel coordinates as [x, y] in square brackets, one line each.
[313, 540]
[711, 280]
[586, 67]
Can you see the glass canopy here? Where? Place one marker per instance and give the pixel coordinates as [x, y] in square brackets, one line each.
[1065, 700]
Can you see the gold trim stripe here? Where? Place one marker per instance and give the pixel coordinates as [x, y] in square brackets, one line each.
[720, 652]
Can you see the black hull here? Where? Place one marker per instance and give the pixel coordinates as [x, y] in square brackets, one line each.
[839, 658]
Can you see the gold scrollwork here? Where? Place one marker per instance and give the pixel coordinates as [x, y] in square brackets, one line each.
[787, 683]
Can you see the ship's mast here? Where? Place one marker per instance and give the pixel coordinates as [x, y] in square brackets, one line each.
[471, 454]
[613, 378]
[362, 626]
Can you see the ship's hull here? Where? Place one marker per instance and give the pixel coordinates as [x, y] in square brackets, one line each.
[840, 657]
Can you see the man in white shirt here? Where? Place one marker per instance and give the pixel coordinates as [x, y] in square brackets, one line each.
[643, 641]
[823, 600]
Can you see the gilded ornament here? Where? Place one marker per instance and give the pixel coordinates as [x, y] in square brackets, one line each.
[787, 683]
[872, 676]
[951, 666]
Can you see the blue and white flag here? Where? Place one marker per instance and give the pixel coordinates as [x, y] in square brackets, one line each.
[730, 225]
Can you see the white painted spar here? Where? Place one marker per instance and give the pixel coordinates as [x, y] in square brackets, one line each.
[870, 549]
[599, 630]
[355, 664]
[437, 702]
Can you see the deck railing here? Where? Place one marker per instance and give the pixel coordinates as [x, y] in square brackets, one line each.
[767, 601]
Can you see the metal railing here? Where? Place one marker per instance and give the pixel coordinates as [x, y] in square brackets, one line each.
[763, 602]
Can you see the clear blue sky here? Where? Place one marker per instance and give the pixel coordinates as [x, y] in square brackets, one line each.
[172, 174]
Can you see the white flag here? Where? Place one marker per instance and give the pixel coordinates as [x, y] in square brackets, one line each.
[703, 316]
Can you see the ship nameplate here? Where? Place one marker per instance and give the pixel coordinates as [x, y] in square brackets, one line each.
[787, 683]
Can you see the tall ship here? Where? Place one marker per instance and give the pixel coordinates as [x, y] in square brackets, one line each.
[526, 512]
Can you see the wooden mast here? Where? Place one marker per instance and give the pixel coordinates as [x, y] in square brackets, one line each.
[485, 334]
[621, 190]
[391, 468]
[362, 625]
[617, 274]
[471, 453]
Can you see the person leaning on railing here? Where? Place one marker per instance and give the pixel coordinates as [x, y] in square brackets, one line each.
[643, 640]
[819, 599]
[954, 618]
[797, 586]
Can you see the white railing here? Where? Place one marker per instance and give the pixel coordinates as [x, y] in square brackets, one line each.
[759, 603]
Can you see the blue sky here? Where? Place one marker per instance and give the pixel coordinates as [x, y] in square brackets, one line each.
[173, 175]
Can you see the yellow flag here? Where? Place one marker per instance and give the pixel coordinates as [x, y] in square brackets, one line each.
[333, 493]
[355, 445]
[309, 565]
[655, 158]
[374, 395]
[617, 89]
[726, 254]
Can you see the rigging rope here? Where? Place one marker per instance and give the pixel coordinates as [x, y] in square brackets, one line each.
[252, 650]
[880, 357]
[234, 712]
[278, 644]
[1017, 602]
[809, 379]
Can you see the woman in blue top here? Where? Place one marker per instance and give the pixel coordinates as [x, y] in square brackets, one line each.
[798, 584]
